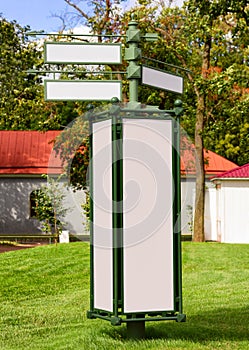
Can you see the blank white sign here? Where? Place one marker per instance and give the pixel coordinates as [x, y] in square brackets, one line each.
[148, 217]
[82, 53]
[102, 215]
[162, 80]
[77, 90]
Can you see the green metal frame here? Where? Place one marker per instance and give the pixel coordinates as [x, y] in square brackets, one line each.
[117, 317]
[117, 214]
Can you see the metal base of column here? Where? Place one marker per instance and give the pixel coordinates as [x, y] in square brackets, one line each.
[136, 330]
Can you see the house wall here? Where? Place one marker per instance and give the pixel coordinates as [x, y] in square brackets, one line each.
[226, 209]
[15, 207]
[187, 204]
[211, 215]
[234, 206]
[75, 219]
[227, 212]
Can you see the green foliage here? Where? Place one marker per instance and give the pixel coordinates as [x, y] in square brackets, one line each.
[45, 296]
[8, 243]
[73, 147]
[20, 92]
[49, 206]
[227, 124]
[222, 81]
[182, 33]
[22, 105]
[86, 210]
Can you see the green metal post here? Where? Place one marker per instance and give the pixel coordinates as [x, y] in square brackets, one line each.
[177, 207]
[117, 212]
[136, 330]
[132, 54]
[89, 115]
[178, 111]
[114, 214]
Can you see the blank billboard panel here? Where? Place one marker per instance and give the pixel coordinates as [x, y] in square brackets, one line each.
[102, 215]
[148, 215]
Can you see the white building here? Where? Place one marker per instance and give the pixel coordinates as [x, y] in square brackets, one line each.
[227, 207]
[26, 155]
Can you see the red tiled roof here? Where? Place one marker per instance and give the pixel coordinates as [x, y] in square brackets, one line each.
[241, 172]
[214, 163]
[28, 152]
[31, 152]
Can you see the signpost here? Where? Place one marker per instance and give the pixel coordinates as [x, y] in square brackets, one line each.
[135, 190]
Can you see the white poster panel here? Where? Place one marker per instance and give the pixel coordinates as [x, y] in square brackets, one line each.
[162, 80]
[82, 53]
[82, 90]
[148, 216]
[102, 215]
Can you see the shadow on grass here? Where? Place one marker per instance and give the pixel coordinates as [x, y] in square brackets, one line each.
[221, 324]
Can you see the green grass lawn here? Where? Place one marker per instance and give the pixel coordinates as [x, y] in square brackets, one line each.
[44, 295]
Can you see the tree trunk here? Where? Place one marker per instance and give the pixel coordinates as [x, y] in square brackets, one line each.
[199, 233]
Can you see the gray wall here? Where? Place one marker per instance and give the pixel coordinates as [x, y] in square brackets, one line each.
[187, 201]
[15, 207]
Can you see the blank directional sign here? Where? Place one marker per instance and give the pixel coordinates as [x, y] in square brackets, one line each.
[66, 53]
[82, 90]
[162, 80]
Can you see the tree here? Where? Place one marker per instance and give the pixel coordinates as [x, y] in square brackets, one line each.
[49, 206]
[211, 16]
[227, 126]
[22, 105]
[102, 17]
[206, 37]
[72, 146]
[19, 90]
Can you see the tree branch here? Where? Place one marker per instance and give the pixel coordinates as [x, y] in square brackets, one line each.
[77, 8]
[167, 35]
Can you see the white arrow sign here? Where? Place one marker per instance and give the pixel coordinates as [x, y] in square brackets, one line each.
[162, 80]
[66, 53]
[82, 90]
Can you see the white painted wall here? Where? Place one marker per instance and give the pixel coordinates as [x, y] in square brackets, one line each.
[235, 211]
[75, 219]
[211, 215]
[227, 212]
[15, 207]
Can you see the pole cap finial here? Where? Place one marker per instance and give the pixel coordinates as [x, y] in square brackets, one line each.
[133, 20]
[114, 100]
[178, 103]
[89, 107]
[178, 107]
